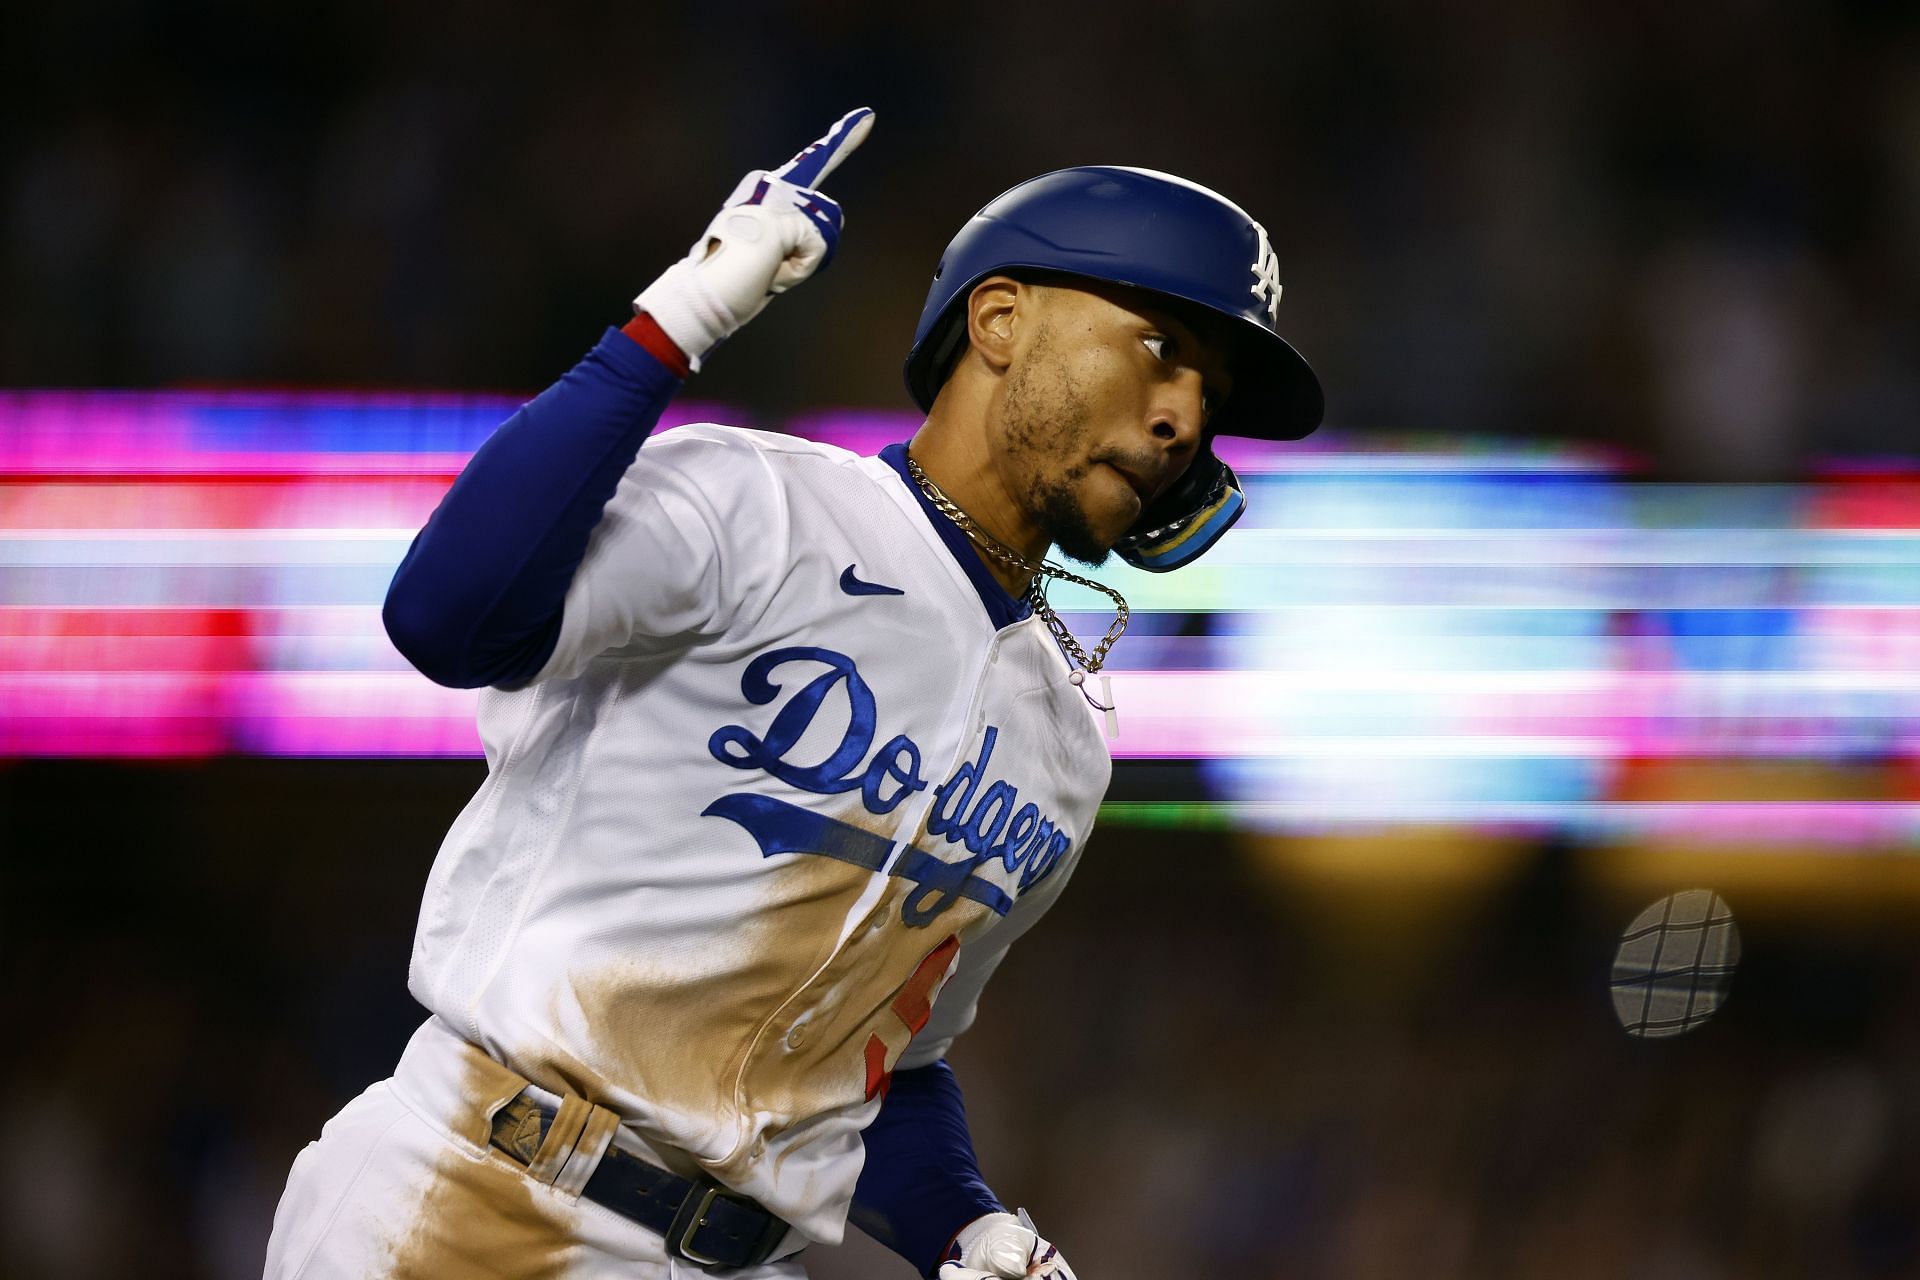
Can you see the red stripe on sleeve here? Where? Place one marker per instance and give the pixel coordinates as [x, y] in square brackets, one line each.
[644, 330]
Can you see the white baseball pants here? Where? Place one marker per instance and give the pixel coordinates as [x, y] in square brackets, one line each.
[403, 1183]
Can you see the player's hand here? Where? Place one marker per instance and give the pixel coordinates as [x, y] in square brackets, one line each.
[1001, 1246]
[774, 231]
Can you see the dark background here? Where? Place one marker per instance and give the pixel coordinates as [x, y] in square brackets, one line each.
[1690, 230]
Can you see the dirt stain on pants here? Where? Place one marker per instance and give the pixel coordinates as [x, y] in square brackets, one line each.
[483, 1219]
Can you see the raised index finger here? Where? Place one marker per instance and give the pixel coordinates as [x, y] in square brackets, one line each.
[818, 159]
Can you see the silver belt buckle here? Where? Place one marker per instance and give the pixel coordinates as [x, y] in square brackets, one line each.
[685, 1244]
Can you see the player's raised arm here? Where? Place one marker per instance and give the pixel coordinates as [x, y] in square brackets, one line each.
[478, 599]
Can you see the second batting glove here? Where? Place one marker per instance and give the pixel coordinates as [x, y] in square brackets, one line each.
[1001, 1246]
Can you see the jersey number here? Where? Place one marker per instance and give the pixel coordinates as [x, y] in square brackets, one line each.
[913, 1006]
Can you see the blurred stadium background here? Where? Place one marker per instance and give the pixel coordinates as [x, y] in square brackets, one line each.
[1603, 583]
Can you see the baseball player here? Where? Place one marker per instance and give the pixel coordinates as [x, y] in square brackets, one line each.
[785, 747]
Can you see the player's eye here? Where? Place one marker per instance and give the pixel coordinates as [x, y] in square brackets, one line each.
[1160, 345]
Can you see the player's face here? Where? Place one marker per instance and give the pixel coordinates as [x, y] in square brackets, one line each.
[1104, 408]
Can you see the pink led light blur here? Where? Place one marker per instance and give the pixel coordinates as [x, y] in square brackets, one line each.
[274, 657]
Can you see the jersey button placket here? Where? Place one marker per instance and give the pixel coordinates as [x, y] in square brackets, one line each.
[796, 1036]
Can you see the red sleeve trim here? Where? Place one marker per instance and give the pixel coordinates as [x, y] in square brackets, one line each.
[646, 331]
[952, 1252]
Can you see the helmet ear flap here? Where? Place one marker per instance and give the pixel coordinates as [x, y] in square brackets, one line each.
[1187, 519]
[944, 346]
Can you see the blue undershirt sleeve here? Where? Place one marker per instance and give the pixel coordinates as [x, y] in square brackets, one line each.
[477, 600]
[921, 1182]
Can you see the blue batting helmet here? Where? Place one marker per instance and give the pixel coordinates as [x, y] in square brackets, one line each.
[1144, 229]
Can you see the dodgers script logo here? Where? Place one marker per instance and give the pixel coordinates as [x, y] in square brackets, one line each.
[987, 818]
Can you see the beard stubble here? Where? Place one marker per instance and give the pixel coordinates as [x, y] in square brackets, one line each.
[1048, 425]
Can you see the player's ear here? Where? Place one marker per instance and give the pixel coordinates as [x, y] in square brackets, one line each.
[992, 311]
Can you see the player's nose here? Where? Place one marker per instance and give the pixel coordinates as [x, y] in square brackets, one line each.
[1178, 416]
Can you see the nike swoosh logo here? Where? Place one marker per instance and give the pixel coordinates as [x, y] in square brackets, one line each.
[855, 587]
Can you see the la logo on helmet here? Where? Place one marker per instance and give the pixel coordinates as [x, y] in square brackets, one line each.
[1266, 275]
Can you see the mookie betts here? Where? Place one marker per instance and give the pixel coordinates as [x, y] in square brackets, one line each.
[785, 747]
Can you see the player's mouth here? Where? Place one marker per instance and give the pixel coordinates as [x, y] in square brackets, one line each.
[1142, 488]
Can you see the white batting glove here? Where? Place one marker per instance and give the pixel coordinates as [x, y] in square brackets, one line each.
[774, 231]
[1001, 1246]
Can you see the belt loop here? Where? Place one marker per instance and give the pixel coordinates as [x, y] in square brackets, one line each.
[561, 1136]
[595, 1137]
[576, 1140]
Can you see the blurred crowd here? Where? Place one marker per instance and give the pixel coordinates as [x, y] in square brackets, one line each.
[1693, 230]
[1257, 1093]
[1196, 1067]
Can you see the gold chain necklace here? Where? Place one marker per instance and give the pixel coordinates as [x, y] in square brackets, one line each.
[1085, 664]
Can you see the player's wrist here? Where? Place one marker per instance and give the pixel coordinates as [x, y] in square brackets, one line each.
[976, 1227]
[645, 332]
[981, 1217]
[688, 312]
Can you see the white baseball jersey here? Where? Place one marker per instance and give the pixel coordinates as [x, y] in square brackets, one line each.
[776, 806]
